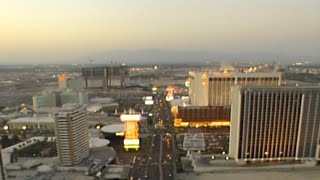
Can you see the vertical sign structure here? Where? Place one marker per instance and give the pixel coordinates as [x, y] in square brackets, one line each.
[131, 131]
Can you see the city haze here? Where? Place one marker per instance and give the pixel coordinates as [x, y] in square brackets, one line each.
[75, 31]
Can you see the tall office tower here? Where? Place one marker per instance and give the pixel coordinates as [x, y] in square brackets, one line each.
[270, 123]
[104, 77]
[72, 134]
[213, 88]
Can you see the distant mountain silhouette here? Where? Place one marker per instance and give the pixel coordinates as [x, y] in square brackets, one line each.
[157, 56]
[165, 56]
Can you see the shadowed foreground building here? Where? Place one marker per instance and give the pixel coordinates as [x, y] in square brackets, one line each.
[273, 123]
[72, 134]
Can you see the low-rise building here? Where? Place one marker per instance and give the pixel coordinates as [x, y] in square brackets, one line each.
[31, 123]
[199, 116]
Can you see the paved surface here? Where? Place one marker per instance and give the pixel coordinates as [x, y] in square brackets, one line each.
[159, 163]
[168, 142]
[304, 174]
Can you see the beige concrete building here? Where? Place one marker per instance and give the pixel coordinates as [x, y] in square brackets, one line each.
[274, 123]
[31, 124]
[56, 98]
[72, 134]
[45, 100]
[213, 88]
[74, 83]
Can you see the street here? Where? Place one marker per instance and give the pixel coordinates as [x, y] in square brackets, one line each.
[159, 164]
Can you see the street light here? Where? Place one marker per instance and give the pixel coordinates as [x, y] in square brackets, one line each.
[24, 127]
[6, 127]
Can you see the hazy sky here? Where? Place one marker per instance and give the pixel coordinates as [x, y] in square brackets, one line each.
[70, 29]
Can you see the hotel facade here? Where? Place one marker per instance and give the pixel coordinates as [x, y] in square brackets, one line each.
[213, 88]
[274, 123]
[72, 134]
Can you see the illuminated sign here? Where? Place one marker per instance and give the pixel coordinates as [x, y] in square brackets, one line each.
[187, 83]
[149, 102]
[131, 141]
[220, 123]
[62, 78]
[131, 133]
[177, 122]
[184, 124]
[169, 98]
[120, 134]
[185, 97]
[149, 98]
[130, 117]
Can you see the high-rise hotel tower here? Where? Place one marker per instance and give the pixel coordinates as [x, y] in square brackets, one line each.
[213, 88]
[273, 123]
[72, 134]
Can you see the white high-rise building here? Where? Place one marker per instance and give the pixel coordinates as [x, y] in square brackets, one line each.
[214, 88]
[72, 134]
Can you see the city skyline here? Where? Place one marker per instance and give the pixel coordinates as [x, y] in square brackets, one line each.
[52, 31]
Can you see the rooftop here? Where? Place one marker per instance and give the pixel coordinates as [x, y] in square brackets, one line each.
[193, 141]
[277, 88]
[235, 74]
[113, 128]
[33, 120]
[97, 142]
[70, 106]
[117, 172]
[101, 100]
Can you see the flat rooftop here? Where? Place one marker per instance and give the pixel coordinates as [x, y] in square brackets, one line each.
[117, 172]
[193, 141]
[33, 120]
[311, 173]
[113, 128]
[235, 74]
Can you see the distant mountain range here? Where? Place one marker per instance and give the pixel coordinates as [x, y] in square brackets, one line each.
[158, 56]
[190, 56]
